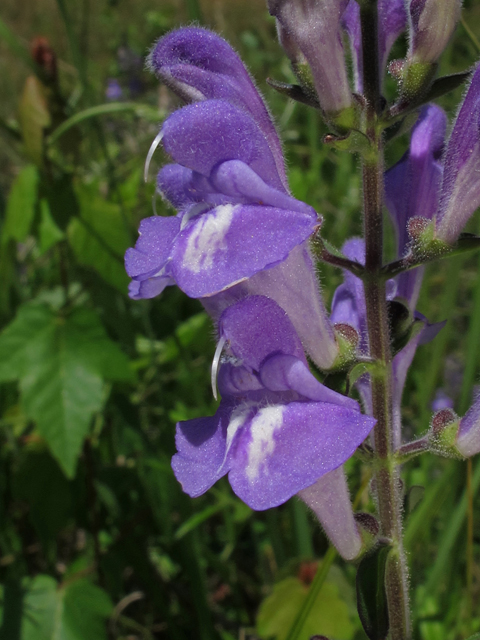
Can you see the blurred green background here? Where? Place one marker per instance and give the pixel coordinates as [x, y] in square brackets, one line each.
[96, 538]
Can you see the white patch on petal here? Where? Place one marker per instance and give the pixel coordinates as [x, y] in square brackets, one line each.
[208, 238]
[237, 419]
[262, 444]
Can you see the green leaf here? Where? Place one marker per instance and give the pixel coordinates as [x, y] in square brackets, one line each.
[74, 611]
[49, 233]
[329, 614]
[18, 342]
[21, 205]
[371, 593]
[99, 238]
[61, 363]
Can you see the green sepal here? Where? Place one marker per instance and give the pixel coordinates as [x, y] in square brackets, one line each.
[371, 592]
[354, 142]
[417, 80]
[438, 88]
[373, 369]
[295, 92]
[442, 436]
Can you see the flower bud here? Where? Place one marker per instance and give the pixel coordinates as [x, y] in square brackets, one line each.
[443, 434]
[432, 23]
[313, 27]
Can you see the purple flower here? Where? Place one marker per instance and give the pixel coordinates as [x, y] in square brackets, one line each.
[412, 188]
[314, 26]
[235, 218]
[277, 430]
[113, 90]
[238, 230]
[392, 20]
[432, 23]
[460, 194]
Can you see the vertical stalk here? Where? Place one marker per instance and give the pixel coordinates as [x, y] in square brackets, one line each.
[387, 479]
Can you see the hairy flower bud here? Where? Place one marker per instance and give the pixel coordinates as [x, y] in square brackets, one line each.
[314, 27]
[432, 23]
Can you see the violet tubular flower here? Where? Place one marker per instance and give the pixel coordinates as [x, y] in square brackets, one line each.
[238, 230]
[412, 188]
[277, 431]
[460, 194]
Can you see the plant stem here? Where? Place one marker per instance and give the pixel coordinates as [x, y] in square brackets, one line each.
[387, 478]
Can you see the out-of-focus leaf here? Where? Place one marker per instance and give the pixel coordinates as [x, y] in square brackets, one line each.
[329, 613]
[62, 200]
[34, 117]
[11, 604]
[49, 233]
[49, 496]
[21, 205]
[141, 110]
[74, 611]
[371, 593]
[61, 363]
[99, 238]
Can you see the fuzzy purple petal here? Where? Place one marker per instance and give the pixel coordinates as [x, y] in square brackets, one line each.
[233, 242]
[200, 65]
[286, 448]
[153, 247]
[256, 328]
[294, 285]
[236, 179]
[461, 185]
[330, 500]
[282, 372]
[203, 448]
[150, 288]
[200, 136]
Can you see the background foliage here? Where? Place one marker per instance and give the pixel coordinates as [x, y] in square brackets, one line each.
[96, 538]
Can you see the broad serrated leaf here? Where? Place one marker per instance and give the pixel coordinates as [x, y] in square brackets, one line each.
[19, 340]
[34, 118]
[21, 205]
[99, 238]
[330, 613]
[74, 611]
[61, 363]
[371, 593]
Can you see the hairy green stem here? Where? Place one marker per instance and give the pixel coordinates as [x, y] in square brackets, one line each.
[387, 479]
